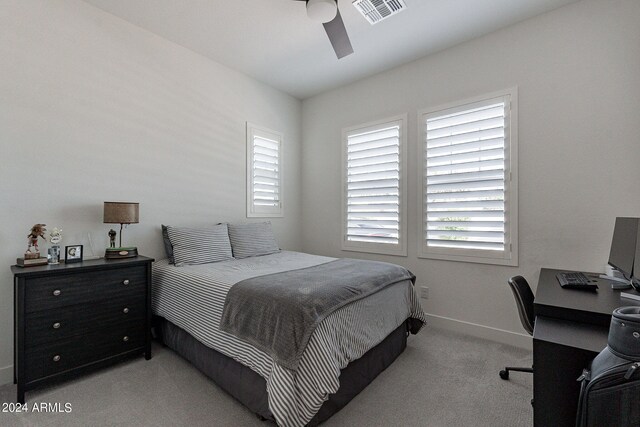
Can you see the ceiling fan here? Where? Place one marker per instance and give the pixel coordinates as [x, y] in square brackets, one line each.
[326, 12]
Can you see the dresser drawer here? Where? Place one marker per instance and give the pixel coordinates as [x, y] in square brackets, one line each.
[46, 293]
[52, 358]
[51, 325]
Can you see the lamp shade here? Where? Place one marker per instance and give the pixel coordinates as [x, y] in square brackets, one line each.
[322, 10]
[121, 213]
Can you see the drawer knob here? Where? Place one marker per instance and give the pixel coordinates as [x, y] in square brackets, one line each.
[56, 325]
[56, 358]
[57, 292]
[125, 310]
[125, 338]
[125, 282]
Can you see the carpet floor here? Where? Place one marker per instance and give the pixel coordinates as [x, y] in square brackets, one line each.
[442, 379]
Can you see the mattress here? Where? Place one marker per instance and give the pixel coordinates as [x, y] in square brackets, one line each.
[192, 298]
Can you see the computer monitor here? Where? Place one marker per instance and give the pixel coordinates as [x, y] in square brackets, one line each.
[623, 245]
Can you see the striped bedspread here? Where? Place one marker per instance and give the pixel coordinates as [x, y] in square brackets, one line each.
[192, 297]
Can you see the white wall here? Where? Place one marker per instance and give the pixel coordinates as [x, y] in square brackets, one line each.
[579, 106]
[93, 108]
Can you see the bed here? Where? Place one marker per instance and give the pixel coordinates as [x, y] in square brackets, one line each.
[345, 352]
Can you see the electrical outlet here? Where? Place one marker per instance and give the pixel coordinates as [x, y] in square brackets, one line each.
[424, 292]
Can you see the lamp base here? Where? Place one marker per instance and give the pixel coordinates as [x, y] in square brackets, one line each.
[120, 253]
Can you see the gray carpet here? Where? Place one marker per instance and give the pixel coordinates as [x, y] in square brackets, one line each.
[442, 379]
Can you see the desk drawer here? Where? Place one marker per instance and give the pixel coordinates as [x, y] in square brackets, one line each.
[51, 325]
[46, 293]
[52, 358]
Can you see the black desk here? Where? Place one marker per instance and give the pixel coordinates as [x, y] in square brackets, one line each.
[571, 329]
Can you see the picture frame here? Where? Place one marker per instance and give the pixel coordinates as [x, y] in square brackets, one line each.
[73, 254]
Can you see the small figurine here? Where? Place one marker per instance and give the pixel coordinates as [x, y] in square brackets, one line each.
[112, 238]
[33, 251]
[55, 237]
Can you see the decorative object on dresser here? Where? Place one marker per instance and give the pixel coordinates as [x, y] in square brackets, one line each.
[120, 213]
[32, 255]
[22, 262]
[53, 254]
[70, 319]
[73, 254]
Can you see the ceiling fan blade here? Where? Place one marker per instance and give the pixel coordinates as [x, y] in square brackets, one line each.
[338, 36]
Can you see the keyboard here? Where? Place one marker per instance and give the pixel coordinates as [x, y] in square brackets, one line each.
[571, 280]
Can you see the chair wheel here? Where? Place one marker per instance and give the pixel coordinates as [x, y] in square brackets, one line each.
[504, 374]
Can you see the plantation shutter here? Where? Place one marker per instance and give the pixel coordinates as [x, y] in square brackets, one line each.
[465, 172]
[264, 173]
[373, 183]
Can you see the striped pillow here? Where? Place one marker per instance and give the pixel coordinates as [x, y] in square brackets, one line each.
[200, 245]
[167, 244]
[253, 239]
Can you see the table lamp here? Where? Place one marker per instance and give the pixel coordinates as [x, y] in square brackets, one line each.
[120, 213]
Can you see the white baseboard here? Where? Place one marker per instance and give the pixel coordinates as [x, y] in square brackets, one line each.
[6, 375]
[486, 332]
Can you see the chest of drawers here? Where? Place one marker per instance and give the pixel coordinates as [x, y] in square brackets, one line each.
[74, 318]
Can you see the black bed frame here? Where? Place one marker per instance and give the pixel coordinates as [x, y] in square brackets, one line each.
[250, 389]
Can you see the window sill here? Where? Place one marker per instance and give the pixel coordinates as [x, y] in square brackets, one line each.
[380, 251]
[511, 262]
[265, 215]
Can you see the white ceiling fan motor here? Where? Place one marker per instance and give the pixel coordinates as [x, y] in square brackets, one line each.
[322, 10]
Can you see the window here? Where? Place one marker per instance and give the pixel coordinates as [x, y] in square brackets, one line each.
[264, 172]
[374, 186]
[469, 186]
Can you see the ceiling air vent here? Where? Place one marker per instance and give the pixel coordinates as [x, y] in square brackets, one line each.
[377, 10]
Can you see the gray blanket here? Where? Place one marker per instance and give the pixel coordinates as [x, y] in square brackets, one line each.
[277, 313]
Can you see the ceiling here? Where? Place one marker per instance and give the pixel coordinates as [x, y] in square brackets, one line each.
[273, 40]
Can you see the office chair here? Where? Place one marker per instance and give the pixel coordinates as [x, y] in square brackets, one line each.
[524, 300]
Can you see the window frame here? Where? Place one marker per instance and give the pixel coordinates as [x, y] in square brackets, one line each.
[508, 257]
[369, 247]
[252, 210]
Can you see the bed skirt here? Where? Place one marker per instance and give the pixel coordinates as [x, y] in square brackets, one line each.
[250, 389]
